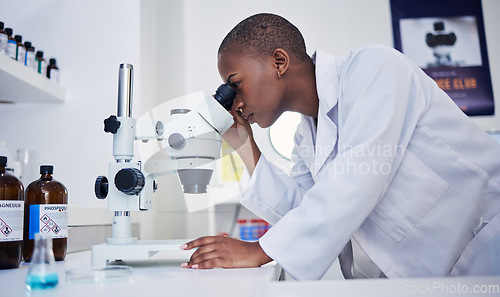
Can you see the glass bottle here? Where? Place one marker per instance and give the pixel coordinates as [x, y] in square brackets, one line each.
[11, 44]
[45, 211]
[3, 39]
[53, 70]
[42, 273]
[11, 218]
[20, 49]
[41, 63]
[30, 55]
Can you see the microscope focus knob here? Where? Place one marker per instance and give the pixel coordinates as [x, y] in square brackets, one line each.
[101, 187]
[129, 181]
[111, 124]
[177, 141]
[155, 186]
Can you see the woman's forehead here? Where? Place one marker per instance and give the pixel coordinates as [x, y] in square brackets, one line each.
[228, 62]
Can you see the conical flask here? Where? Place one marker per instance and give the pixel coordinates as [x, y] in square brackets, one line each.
[42, 272]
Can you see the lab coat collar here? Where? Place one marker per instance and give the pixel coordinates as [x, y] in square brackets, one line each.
[327, 82]
[327, 79]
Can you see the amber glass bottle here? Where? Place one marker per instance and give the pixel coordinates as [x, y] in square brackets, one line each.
[45, 211]
[11, 218]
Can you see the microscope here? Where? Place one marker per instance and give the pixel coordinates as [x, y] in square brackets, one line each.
[188, 145]
[441, 44]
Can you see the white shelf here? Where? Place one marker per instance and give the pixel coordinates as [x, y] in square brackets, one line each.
[19, 84]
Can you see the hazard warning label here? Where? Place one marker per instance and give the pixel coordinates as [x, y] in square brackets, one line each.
[11, 220]
[49, 219]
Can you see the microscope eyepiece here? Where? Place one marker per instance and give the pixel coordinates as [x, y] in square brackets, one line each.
[440, 38]
[225, 96]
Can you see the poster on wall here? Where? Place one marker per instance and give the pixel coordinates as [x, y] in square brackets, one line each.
[446, 39]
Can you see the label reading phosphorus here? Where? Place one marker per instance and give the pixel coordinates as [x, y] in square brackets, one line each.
[11, 220]
[49, 219]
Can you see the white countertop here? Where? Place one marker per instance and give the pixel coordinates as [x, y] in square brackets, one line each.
[152, 279]
[169, 279]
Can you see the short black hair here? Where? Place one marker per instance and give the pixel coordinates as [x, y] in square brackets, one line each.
[263, 33]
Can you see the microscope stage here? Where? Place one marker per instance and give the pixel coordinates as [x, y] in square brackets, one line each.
[167, 250]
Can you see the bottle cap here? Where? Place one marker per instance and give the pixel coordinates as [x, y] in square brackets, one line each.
[27, 44]
[39, 54]
[3, 161]
[1, 25]
[46, 169]
[8, 31]
[52, 61]
[18, 38]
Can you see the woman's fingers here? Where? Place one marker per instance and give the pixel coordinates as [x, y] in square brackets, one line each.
[199, 242]
[226, 252]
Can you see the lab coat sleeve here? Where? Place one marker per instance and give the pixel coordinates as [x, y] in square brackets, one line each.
[271, 193]
[375, 87]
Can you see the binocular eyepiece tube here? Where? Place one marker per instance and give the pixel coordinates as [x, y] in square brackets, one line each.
[225, 96]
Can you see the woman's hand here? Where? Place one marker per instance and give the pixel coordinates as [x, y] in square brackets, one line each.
[240, 138]
[225, 252]
[239, 133]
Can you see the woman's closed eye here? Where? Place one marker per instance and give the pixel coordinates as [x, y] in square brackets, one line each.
[235, 85]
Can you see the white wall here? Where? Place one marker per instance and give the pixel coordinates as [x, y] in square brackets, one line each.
[89, 38]
[163, 75]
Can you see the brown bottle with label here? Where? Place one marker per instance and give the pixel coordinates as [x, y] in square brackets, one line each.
[11, 218]
[45, 211]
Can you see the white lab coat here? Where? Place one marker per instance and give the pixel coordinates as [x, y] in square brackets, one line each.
[394, 165]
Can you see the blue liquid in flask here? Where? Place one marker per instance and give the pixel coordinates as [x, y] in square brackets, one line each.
[42, 272]
[34, 281]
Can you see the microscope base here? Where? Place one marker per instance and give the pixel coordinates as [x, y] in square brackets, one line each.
[104, 254]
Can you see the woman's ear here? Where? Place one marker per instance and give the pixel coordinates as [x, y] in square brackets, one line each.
[281, 61]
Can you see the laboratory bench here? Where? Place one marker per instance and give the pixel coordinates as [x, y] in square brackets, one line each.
[149, 278]
[167, 278]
